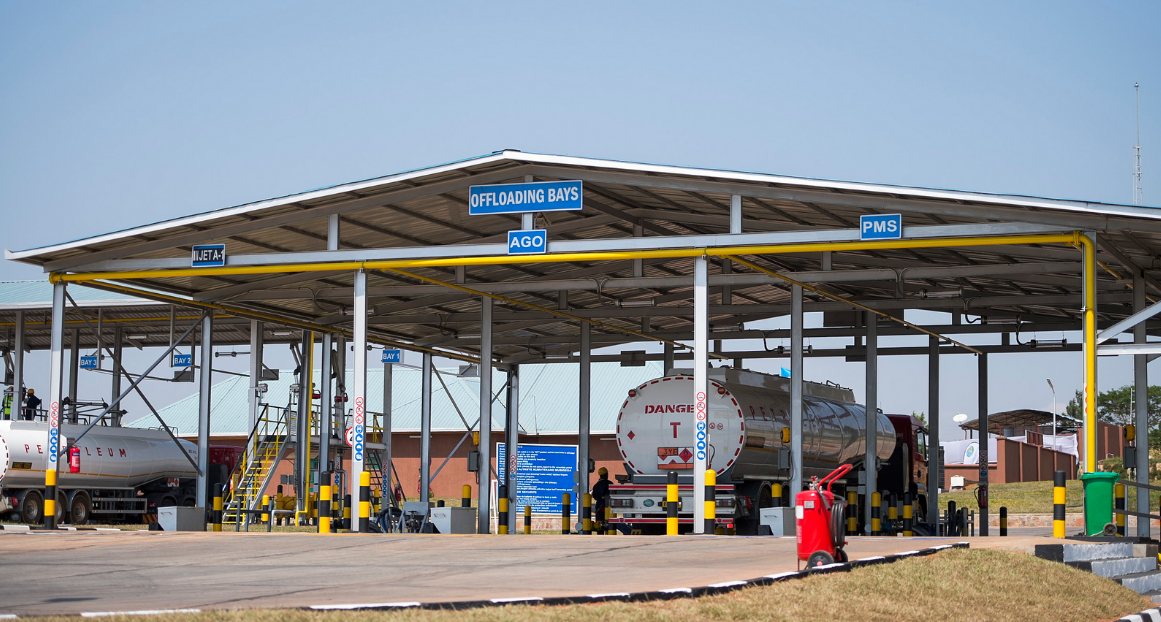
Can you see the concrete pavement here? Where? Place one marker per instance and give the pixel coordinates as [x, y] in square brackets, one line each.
[73, 572]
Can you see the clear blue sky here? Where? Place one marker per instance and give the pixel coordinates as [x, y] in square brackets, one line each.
[116, 114]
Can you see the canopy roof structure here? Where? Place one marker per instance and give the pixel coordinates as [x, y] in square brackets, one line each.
[144, 322]
[413, 233]
[1021, 418]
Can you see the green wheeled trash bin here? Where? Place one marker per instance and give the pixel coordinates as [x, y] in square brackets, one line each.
[1098, 502]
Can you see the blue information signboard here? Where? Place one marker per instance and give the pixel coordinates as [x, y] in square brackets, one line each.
[208, 256]
[182, 360]
[527, 242]
[880, 227]
[543, 474]
[392, 356]
[88, 362]
[539, 196]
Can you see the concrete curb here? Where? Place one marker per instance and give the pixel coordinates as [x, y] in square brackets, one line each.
[1153, 615]
[666, 594]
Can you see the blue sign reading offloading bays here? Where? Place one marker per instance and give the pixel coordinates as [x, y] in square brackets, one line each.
[527, 242]
[543, 474]
[880, 227]
[182, 360]
[88, 362]
[539, 196]
[392, 356]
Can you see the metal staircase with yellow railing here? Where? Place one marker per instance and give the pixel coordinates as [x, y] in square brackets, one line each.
[263, 453]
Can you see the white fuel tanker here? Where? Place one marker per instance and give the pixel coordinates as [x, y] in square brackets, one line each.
[748, 445]
[120, 471]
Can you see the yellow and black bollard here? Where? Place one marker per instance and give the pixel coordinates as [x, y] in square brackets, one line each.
[324, 503]
[586, 514]
[609, 531]
[466, 501]
[502, 509]
[776, 494]
[347, 512]
[892, 511]
[271, 505]
[217, 513]
[528, 520]
[565, 513]
[908, 516]
[50, 499]
[1119, 504]
[950, 526]
[266, 508]
[711, 502]
[1004, 523]
[336, 509]
[365, 502]
[671, 503]
[876, 507]
[852, 512]
[1059, 499]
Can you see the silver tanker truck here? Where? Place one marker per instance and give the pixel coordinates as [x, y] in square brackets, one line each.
[748, 425]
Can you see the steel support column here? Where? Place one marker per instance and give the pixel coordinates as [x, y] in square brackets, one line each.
[982, 407]
[1141, 405]
[700, 382]
[425, 428]
[872, 401]
[205, 384]
[74, 374]
[17, 410]
[934, 472]
[796, 392]
[584, 394]
[359, 396]
[56, 371]
[512, 441]
[256, 351]
[388, 491]
[302, 421]
[484, 517]
[118, 343]
[326, 406]
[667, 359]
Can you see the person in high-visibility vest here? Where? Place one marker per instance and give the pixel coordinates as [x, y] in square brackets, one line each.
[8, 403]
[601, 494]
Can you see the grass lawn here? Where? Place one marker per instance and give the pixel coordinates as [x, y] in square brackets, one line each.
[1034, 497]
[961, 585]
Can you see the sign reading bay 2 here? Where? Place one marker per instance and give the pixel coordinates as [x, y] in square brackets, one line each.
[539, 196]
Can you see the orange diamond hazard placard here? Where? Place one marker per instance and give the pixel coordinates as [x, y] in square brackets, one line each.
[674, 458]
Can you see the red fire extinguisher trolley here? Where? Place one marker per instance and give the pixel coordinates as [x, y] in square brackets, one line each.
[819, 517]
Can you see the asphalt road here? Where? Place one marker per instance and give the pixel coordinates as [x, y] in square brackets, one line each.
[73, 572]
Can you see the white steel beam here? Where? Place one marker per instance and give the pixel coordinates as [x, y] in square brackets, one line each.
[700, 386]
[1129, 322]
[484, 518]
[1114, 349]
[871, 401]
[796, 392]
[55, 388]
[359, 395]
[575, 246]
[1141, 403]
[205, 385]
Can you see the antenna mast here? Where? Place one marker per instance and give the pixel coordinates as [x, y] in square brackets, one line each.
[1138, 192]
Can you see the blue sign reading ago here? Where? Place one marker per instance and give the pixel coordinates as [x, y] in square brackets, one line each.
[540, 196]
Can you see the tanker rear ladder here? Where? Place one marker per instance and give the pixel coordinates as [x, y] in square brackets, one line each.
[264, 450]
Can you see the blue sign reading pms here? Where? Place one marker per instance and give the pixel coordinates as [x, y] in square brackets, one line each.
[880, 227]
[543, 474]
[392, 356]
[182, 360]
[540, 196]
[88, 362]
[527, 242]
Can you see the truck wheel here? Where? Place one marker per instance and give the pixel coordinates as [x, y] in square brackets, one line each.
[80, 509]
[32, 508]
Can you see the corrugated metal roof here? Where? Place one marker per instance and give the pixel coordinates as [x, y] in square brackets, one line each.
[549, 398]
[38, 295]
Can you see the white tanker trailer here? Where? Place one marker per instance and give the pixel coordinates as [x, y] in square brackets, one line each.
[122, 472]
[748, 446]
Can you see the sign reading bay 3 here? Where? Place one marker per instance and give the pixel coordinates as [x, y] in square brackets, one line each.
[539, 196]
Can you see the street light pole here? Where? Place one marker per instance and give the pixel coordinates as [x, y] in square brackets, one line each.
[1053, 413]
